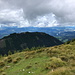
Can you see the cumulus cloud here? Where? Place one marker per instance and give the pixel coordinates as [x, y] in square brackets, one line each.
[10, 16]
[39, 12]
[47, 20]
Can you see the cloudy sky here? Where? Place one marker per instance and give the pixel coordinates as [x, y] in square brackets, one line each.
[37, 13]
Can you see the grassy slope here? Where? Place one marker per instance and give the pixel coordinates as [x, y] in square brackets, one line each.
[57, 60]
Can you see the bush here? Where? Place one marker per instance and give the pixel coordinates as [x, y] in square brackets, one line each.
[28, 67]
[64, 58]
[2, 64]
[0, 56]
[9, 52]
[31, 53]
[1, 70]
[16, 60]
[8, 59]
[55, 63]
[54, 52]
[3, 73]
[40, 50]
[27, 57]
[72, 57]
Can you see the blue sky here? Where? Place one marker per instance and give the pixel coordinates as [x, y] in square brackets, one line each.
[37, 13]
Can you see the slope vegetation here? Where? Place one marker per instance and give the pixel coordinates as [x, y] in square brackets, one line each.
[57, 60]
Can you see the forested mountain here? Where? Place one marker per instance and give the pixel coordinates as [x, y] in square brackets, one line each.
[19, 41]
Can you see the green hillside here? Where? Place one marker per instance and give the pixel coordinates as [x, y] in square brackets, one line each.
[57, 60]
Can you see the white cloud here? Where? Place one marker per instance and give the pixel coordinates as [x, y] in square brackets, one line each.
[8, 15]
[12, 18]
[47, 20]
[37, 13]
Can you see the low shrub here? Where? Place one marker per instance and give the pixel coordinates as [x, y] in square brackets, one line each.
[8, 59]
[55, 63]
[3, 73]
[26, 57]
[28, 67]
[72, 57]
[1, 70]
[54, 53]
[40, 50]
[16, 60]
[2, 63]
[31, 52]
[64, 58]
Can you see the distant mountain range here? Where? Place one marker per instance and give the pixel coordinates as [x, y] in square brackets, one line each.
[20, 41]
[62, 33]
